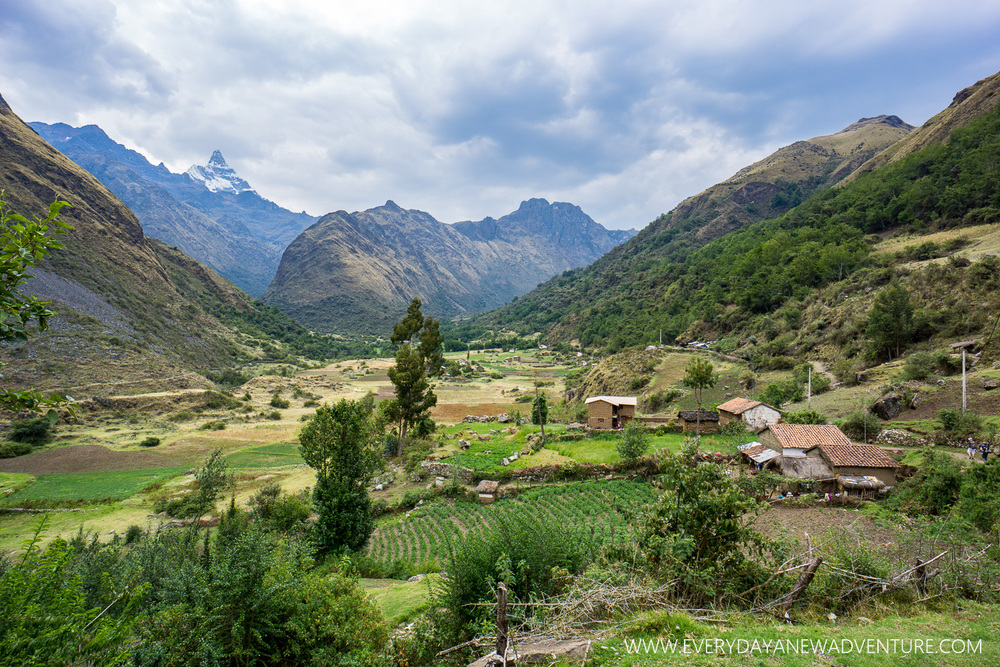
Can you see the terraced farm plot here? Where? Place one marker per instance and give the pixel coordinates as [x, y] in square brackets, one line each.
[431, 531]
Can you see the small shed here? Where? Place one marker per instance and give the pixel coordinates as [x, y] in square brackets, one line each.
[756, 454]
[691, 420]
[865, 486]
[605, 412]
[805, 467]
[487, 490]
[754, 414]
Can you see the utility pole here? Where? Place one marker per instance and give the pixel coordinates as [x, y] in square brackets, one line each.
[965, 403]
[809, 391]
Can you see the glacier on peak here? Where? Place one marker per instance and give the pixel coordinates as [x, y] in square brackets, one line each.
[218, 176]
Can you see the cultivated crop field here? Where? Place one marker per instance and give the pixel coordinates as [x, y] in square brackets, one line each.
[597, 509]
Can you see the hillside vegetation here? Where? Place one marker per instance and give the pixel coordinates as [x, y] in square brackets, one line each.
[747, 281]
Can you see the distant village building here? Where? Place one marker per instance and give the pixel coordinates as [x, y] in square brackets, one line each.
[705, 420]
[610, 411]
[756, 415]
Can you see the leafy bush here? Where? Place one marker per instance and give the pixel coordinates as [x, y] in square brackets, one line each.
[861, 425]
[633, 441]
[779, 393]
[279, 402]
[700, 530]
[36, 431]
[150, 441]
[522, 550]
[958, 424]
[918, 366]
[9, 450]
[946, 363]
[217, 425]
[805, 417]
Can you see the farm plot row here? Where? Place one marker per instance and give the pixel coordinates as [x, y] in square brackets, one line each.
[597, 508]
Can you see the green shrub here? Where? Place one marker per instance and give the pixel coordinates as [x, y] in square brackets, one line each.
[523, 550]
[918, 366]
[946, 363]
[217, 425]
[9, 450]
[805, 417]
[150, 441]
[35, 431]
[633, 441]
[958, 424]
[279, 402]
[861, 425]
[274, 415]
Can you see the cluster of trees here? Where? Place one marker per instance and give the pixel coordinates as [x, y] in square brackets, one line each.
[267, 322]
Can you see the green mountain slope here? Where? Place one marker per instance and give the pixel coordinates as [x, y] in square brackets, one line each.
[731, 284]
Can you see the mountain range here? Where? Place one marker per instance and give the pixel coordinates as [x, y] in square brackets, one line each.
[124, 300]
[209, 212]
[357, 272]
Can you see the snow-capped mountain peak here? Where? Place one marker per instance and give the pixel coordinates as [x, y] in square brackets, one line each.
[218, 176]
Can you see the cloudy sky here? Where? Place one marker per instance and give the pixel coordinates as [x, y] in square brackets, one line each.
[463, 109]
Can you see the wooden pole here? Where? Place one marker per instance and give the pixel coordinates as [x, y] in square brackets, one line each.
[802, 584]
[503, 628]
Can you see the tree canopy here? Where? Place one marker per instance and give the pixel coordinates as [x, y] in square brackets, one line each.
[339, 443]
[419, 357]
[23, 244]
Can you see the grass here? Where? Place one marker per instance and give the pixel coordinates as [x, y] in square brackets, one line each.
[11, 482]
[266, 456]
[400, 601]
[963, 635]
[89, 487]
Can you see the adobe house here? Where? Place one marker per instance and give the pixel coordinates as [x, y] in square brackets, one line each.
[690, 420]
[858, 467]
[794, 439]
[610, 411]
[756, 415]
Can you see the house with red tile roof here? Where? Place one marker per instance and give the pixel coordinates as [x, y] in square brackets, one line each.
[756, 415]
[795, 439]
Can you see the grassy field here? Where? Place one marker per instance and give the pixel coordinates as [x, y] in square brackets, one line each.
[87, 487]
[400, 601]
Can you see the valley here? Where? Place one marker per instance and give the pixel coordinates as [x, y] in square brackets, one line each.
[273, 460]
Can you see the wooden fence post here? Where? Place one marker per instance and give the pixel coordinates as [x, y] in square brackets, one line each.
[502, 627]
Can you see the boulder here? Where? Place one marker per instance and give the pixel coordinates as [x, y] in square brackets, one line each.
[888, 406]
[989, 385]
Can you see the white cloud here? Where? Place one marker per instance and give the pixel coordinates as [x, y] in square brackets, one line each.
[465, 109]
